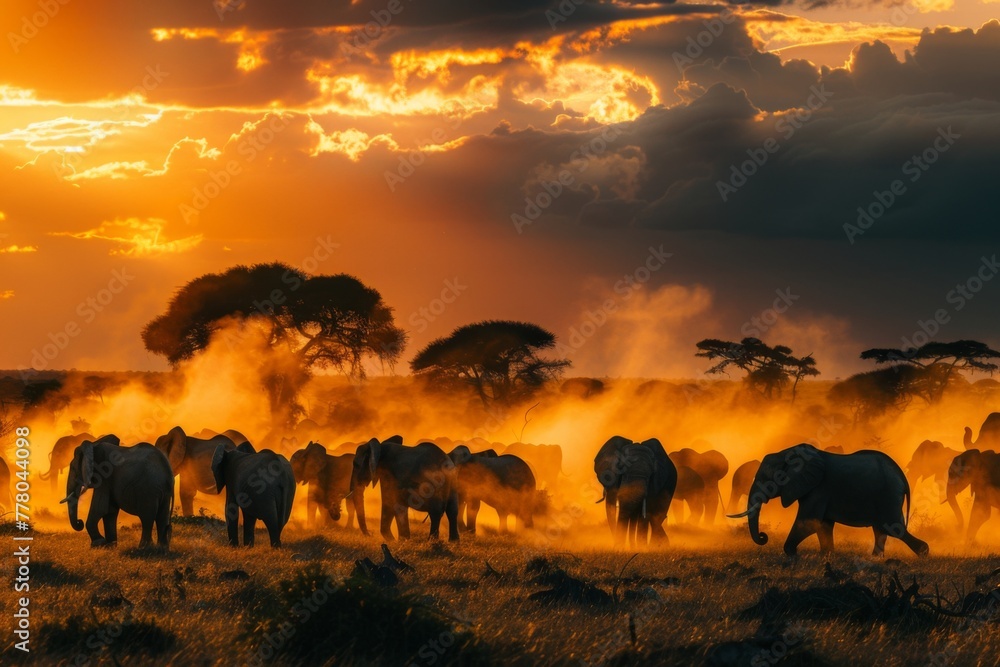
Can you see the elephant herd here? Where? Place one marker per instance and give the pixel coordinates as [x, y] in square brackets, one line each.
[640, 481]
[861, 489]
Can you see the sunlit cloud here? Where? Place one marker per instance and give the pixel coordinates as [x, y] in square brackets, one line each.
[249, 55]
[137, 237]
[14, 249]
[773, 31]
[6, 294]
[352, 143]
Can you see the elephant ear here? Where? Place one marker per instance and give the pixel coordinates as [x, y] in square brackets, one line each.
[803, 481]
[315, 460]
[218, 459]
[87, 464]
[606, 463]
[175, 444]
[374, 454]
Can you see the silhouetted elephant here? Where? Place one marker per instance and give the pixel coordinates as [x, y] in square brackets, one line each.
[989, 434]
[505, 483]
[545, 461]
[421, 477]
[329, 480]
[712, 466]
[234, 435]
[866, 488]
[191, 459]
[639, 482]
[260, 485]
[932, 459]
[742, 479]
[691, 490]
[61, 456]
[137, 480]
[981, 470]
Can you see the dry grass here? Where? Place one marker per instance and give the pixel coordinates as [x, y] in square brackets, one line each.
[731, 604]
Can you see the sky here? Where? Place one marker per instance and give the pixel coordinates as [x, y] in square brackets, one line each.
[632, 176]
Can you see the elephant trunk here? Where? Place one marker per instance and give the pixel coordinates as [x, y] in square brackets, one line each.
[72, 506]
[952, 501]
[611, 509]
[755, 500]
[358, 496]
[967, 439]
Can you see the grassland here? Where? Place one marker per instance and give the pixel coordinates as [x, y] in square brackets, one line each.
[723, 602]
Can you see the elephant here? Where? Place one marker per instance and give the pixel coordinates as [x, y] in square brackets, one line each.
[421, 477]
[639, 482]
[742, 479]
[6, 498]
[690, 489]
[545, 461]
[329, 480]
[866, 488]
[712, 466]
[261, 485]
[981, 470]
[137, 480]
[234, 435]
[506, 483]
[191, 458]
[989, 434]
[932, 459]
[61, 456]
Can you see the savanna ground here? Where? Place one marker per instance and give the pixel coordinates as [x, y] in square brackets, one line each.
[540, 598]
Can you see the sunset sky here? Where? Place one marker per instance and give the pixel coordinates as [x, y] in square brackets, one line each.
[145, 143]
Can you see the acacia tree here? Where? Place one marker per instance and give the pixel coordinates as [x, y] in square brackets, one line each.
[324, 321]
[498, 358]
[768, 369]
[938, 364]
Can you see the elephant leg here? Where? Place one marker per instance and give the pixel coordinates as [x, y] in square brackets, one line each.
[825, 533]
[232, 521]
[249, 526]
[163, 528]
[403, 521]
[451, 511]
[350, 514]
[472, 511]
[94, 531]
[502, 517]
[187, 498]
[388, 513]
[312, 507]
[462, 508]
[111, 526]
[880, 537]
[980, 514]
[274, 531]
[146, 539]
[711, 503]
[54, 477]
[801, 529]
[657, 534]
[436, 512]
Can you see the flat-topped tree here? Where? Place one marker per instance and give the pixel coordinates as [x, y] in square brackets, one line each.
[498, 358]
[939, 363]
[323, 321]
[768, 369]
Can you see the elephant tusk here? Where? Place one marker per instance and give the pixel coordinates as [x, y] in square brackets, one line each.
[643, 508]
[348, 495]
[738, 516]
[599, 501]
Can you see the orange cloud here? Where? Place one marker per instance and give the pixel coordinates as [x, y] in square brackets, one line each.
[137, 237]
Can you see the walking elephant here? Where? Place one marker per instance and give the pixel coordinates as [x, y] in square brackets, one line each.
[981, 470]
[505, 483]
[690, 490]
[420, 477]
[260, 485]
[932, 459]
[329, 480]
[712, 466]
[61, 456]
[866, 488]
[989, 434]
[191, 459]
[742, 479]
[545, 461]
[639, 482]
[137, 480]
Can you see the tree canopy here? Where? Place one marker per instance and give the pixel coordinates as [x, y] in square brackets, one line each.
[323, 321]
[498, 358]
[768, 369]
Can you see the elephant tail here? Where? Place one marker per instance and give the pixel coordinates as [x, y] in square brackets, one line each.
[906, 495]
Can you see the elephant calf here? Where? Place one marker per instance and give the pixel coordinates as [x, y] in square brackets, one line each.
[506, 483]
[863, 489]
[329, 480]
[135, 479]
[260, 484]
